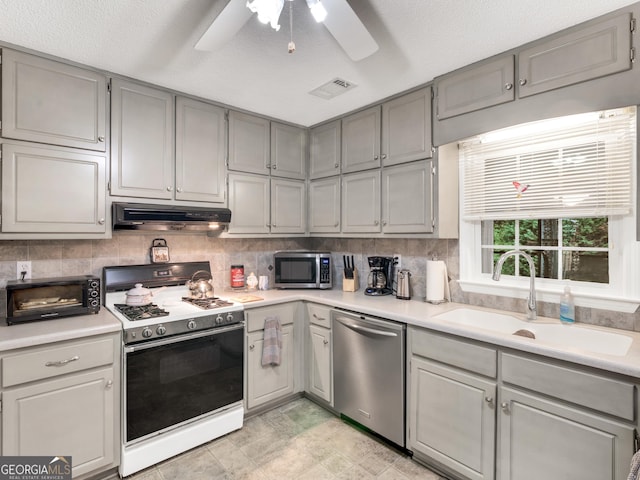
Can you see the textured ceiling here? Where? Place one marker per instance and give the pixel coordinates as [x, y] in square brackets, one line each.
[152, 40]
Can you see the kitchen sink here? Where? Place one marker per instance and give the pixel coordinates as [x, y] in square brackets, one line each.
[573, 336]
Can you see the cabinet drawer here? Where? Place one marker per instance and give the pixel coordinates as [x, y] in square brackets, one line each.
[583, 388]
[319, 315]
[468, 356]
[49, 362]
[255, 317]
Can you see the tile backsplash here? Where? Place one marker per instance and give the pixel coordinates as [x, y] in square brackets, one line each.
[52, 258]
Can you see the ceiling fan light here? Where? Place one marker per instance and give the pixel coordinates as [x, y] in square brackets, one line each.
[268, 11]
[317, 10]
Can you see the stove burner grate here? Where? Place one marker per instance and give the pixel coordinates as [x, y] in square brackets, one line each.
[207, 303]
[140, 312]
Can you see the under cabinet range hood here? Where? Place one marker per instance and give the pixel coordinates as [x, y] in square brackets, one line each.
[140, 216]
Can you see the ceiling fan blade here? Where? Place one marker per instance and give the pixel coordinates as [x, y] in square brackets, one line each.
[228, 22]
[345, 26]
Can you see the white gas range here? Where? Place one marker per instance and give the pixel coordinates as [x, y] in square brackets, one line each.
[183, 363]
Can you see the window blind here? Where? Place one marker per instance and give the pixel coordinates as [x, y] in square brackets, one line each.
[575, 166]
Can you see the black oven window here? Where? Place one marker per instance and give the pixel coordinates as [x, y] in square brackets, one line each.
[302, 270]
[169, 384]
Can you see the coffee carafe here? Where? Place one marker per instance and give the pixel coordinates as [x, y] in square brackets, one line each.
[380, 279]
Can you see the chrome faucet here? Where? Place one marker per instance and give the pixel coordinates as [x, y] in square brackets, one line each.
[531, 301]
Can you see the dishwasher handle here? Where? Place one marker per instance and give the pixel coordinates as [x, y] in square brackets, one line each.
[368, 330]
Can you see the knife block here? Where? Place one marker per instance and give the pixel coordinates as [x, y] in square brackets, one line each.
[350, 284]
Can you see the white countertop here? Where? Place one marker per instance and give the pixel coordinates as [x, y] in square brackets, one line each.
[411, 312]
[421, 314]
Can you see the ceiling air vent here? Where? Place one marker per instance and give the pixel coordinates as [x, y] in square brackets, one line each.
[333, 88]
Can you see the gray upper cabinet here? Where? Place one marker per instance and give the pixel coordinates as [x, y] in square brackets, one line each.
[325, 149]
[200, 151]
[361, 140]
[50, 102]
[142, 153]
[249, 143]
[406, 128]
[407, 198]
[288, 206]
[50, 189]
[596, 50]
[361, 202]
[249, 201]
[288, 151]
[324, 205]
[480, 86]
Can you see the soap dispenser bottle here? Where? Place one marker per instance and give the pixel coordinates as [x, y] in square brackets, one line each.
[567, 307]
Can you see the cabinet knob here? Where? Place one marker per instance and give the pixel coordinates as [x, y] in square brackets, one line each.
[522, 82]
[336, 165]
[268, 165]
[251, 347]
[268, 225]
[169, 188]
[273, 225]
[508, 86]
[101, 138]
[384, 155]
[108, 385]
[179, 190]
[101, 221]
[375, 157]
[325, 341]
[384, 222]
[274, 166]
[336, 224]
[505, 407]
[489, 400]
[376, 222]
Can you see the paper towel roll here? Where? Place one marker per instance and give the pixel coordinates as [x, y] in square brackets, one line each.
[437, 282]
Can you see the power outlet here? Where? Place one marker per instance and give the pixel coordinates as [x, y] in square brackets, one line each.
[24, 270]
[397, 261]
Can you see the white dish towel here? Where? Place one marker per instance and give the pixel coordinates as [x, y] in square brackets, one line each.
[272, 342]
[634, 474]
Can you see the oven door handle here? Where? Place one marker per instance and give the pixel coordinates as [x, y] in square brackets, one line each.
[182, 338]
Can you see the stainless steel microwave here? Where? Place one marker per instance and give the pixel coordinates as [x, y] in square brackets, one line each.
[303, 269]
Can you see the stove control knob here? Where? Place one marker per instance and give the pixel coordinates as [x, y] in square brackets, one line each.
[146, 332]
[191, 324]
[229, 317]
[219, 320]
[161, 330]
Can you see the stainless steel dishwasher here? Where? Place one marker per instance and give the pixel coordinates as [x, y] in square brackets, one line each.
[369, 373]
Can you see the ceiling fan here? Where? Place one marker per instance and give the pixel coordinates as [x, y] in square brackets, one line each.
[340, 20]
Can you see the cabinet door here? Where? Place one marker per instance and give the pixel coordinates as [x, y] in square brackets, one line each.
[452, 418]
[52, 190]
[599, 49]
[324, 205]
[50, 102]
[479, 86]
[249, 203]
[406, 128]
[320, 363]
[200, 151]
[73, 414]
[361, 202]
[288, 151]
[582, 445]
[142, 153]
[325, 150]
[361, 140]
[407, 198]
[248, 143]
[266, 383]
[288, 206]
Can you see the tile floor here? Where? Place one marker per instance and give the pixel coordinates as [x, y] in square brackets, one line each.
[300, 441]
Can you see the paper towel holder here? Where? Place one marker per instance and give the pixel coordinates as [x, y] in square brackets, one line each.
[444, 278]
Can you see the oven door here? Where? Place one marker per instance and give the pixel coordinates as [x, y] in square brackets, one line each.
[175, 380]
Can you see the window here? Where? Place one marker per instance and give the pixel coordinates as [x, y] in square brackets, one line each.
[561, 190]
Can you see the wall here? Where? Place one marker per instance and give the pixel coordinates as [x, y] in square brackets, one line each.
[52, 258]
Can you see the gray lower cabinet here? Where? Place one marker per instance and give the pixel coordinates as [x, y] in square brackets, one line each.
[325, 150]
[361, 140]
[269, 383]
[261, 204]
[49, 189]
[142, 141]
[249, 143]
[324, 205]
[64, 398]
[201, 146]
[51, 102]
[288, 151]
[361, 202]
[319, 352]
[407, 198]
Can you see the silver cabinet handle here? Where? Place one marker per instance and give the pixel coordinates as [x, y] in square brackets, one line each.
[384, 222]
[508, 86]
[101, 221]
[376, 222]
[336, 165]
[522, 82]
[384, 155]
[62, 363]
[179, 190]
[489, 400]
[505, 407]
[169, 188]
[251, 347]
[108, 385]
[274, 166]
[318, 318]
[273, 225]
[375, 157]
[101, 138]
[372, 330]
[325, 341]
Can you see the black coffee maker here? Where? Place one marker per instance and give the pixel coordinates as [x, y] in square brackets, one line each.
[380, 279]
